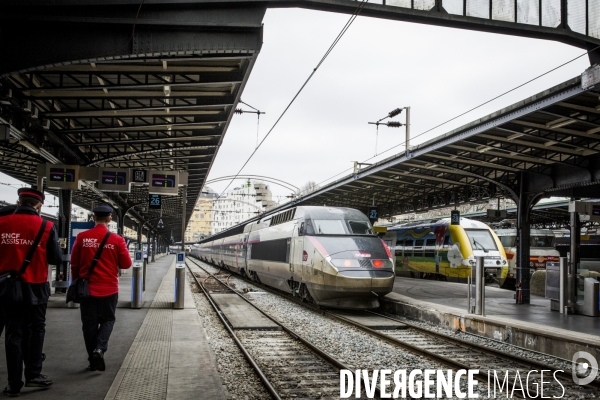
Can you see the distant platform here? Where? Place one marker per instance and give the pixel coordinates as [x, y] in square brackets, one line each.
[533, 326]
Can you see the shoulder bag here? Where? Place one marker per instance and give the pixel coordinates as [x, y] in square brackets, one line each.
[79, 288]
[11, 288]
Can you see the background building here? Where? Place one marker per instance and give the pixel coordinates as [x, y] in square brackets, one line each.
[240, 204]
[200, 224]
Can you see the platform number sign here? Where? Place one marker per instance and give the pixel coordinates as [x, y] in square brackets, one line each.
[154, 201]
[373, 214]
[454, 217]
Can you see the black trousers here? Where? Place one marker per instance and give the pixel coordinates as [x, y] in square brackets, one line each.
[24, 341]
[98, 320]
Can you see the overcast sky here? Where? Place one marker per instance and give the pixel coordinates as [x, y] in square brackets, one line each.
[378, 65]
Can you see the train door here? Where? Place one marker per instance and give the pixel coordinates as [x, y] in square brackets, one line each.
[297, 253]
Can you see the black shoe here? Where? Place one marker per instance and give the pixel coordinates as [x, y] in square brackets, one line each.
[43, 357]
[98, 360]
[92, 367]
[39, 381]
[11, 392]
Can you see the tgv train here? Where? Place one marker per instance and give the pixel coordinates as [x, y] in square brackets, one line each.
[439, 250]
[327, 255]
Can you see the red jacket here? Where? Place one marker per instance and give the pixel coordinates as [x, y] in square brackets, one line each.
[17, 234]
[104, 280]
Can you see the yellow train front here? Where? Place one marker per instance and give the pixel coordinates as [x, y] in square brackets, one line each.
[441, 251]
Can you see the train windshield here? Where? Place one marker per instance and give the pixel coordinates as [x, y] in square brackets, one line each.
[481, 239]
[329, 227]
[508, 241]
[542, 241]
[339, 227]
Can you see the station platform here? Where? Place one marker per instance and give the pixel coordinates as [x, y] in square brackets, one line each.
[154, 352]
[533, 326]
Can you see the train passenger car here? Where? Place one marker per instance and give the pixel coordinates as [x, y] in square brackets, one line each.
[541, 253]
[441, 251]
[327, 255]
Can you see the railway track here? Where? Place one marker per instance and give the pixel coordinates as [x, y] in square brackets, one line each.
[289, 366]
[462, 354]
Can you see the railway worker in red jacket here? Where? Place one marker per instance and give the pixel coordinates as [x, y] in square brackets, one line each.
[18, 232]
[98, 311]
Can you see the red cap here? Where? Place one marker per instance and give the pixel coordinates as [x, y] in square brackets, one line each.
[33, 193]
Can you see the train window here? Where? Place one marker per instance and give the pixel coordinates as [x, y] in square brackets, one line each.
[430, 248]
[508, 241]
[400, 247]
[542, 241]
[418, 248]
[360, 227]
[329, 227]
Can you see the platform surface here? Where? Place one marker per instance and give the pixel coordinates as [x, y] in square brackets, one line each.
[499, 303]
[371, 320]
[242, 315]
[154, 352]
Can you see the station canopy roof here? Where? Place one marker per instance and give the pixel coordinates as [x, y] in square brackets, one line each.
[163, 112]
[545, 146]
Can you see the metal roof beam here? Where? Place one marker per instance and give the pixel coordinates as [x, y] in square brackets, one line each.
[166, 111]
[128, 94]
[209, 84]
[565, 131]
[157, 127]
[171, 139]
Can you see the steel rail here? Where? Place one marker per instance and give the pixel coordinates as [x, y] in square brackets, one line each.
[330, 359]
[566, 374]
[247, 355]
[441, 359]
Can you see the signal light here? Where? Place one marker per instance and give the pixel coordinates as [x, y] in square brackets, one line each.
[377, 263]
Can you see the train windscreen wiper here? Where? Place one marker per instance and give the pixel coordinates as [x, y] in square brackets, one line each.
[476, 243]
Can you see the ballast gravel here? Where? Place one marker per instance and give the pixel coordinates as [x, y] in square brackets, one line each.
[239, 378]
[357, 349]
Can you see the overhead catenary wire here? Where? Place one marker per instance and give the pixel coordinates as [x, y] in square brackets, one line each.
[357, 11]
[468, 111]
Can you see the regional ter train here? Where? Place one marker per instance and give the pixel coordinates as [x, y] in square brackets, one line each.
[441, 251]
[329, 256]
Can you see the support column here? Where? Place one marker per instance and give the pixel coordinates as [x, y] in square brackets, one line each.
[594, 56]
[139, 237]
[154, 247]
[183, 211]
[148, 243]
[121, 222]
[64, 229]
[574, 259]
[524, 232]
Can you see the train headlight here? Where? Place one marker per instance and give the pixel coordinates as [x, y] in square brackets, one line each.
[377, 263]
[345, 263]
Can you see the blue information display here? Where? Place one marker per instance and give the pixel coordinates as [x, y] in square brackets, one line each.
[180, 257]
[373, 214]
[77, 228]
[454, 217]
